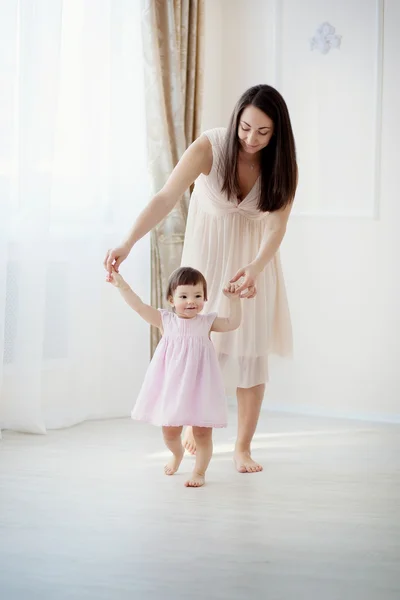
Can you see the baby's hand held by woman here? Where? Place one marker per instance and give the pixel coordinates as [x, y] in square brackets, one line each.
[114, 257]
[248, 275]
[116, 279]
[230, 290]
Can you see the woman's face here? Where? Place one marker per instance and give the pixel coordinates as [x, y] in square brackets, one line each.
[255, 129]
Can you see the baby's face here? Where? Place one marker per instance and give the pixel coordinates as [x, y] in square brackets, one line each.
[188, 300]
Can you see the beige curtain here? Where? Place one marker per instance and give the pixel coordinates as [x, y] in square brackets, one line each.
[173, 40]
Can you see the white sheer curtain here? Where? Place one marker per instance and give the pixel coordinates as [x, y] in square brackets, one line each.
[72, 179]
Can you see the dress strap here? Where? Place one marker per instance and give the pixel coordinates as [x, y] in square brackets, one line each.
[216, 136]
[217, 139]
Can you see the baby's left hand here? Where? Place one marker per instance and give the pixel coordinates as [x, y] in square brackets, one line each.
[230, 290]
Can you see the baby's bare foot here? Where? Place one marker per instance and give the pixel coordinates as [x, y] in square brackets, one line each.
[245, 464]
[196, 480]
[174, 463]
[188, 441]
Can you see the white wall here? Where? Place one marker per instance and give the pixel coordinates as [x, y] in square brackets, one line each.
[341, 272]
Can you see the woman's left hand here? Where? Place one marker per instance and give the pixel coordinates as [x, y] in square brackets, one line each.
[247, 288]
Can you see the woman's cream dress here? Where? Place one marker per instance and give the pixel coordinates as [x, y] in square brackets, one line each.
[221, 237]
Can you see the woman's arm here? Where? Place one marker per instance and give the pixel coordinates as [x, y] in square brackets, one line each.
[272, 239]
[273, 236]
[197, 159]
[148, 313]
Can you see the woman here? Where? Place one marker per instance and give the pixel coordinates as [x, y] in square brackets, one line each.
[245, 181]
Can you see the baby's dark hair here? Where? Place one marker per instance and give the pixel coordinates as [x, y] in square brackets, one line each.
[185, 276]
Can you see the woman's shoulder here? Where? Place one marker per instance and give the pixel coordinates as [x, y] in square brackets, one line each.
[216, 136]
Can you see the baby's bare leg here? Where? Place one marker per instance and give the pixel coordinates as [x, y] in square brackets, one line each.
[204, 449]
[188, 441]
[172, 439]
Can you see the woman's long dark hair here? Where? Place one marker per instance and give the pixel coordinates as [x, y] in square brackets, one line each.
[278, 159]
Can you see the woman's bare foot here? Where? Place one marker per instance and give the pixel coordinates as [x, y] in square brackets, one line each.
[245, 464]
[174, 463]
[196, 480]
[188, 441]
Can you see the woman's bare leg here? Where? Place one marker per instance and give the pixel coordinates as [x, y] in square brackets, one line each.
[249, 405]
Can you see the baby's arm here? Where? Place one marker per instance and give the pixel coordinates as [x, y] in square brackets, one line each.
[232, 322]
[148, 313]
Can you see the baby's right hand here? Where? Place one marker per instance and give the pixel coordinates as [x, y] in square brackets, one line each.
[116, 279]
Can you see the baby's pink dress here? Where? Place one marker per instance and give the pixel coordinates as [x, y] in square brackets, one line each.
[183, 384]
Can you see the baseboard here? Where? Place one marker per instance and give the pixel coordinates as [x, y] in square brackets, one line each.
[311, 411]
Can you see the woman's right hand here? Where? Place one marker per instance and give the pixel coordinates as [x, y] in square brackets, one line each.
[114, 258]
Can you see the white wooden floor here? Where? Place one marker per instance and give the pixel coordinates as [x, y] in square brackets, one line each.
[87, 513]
